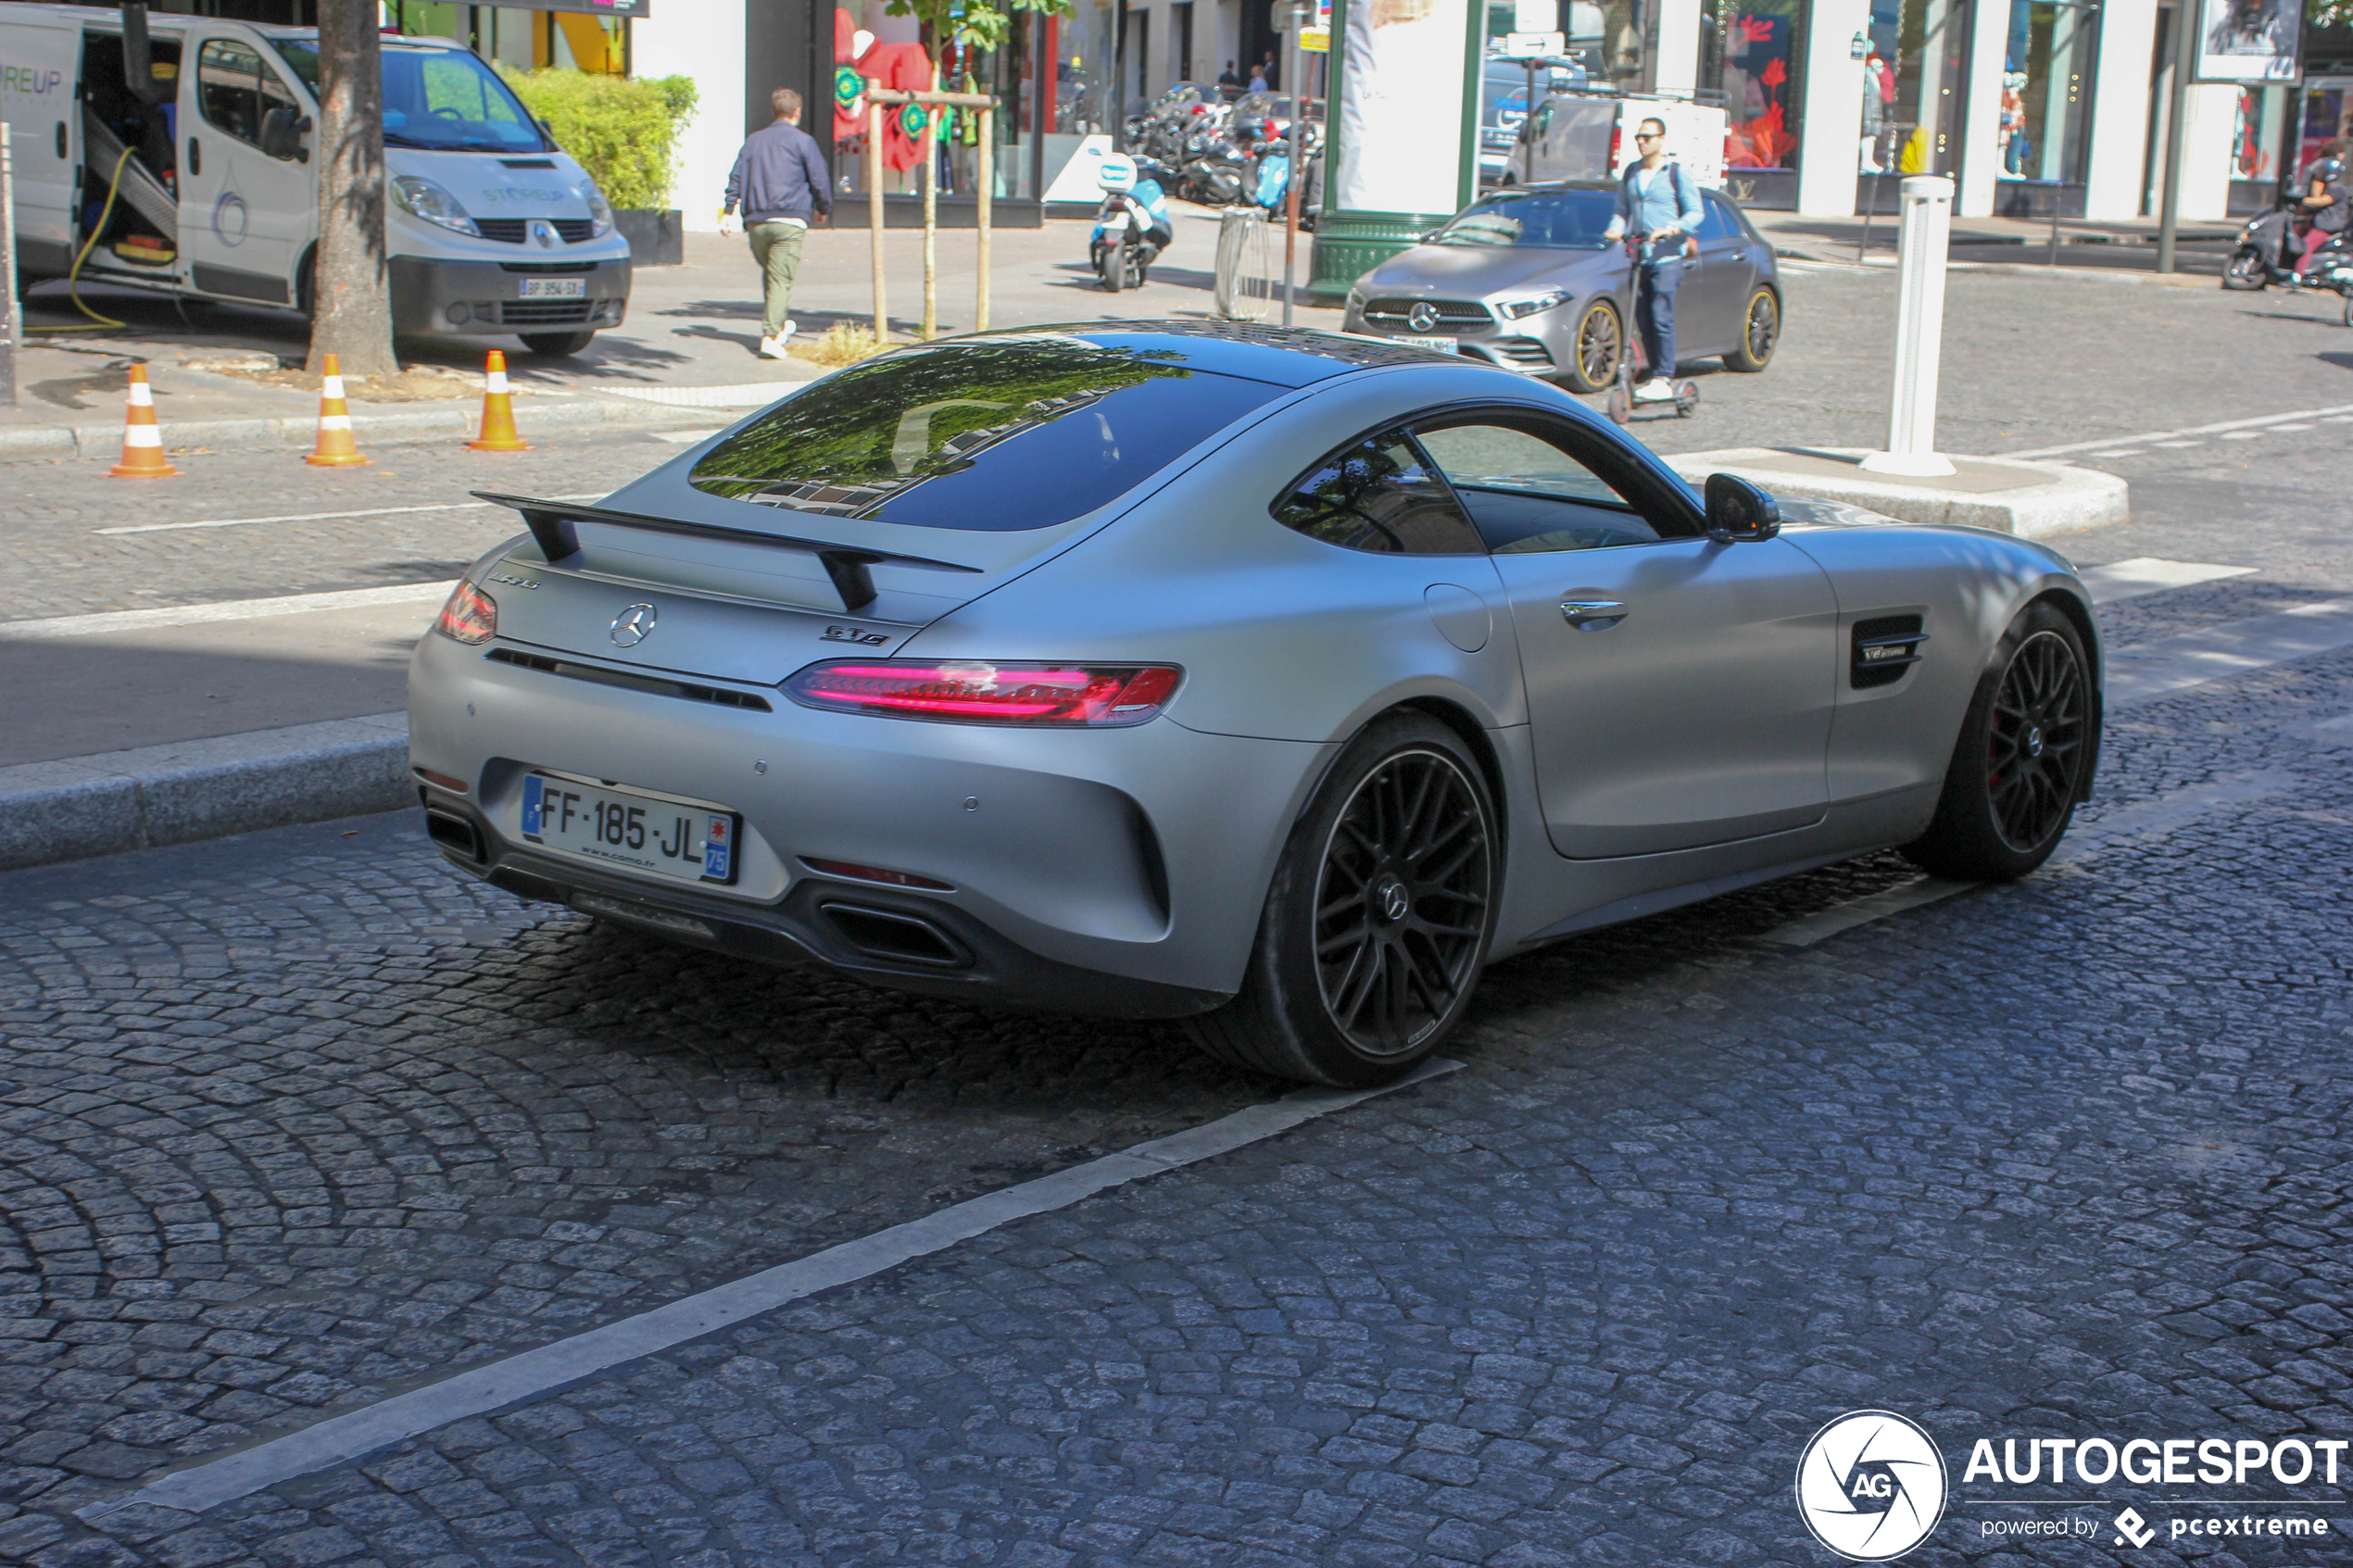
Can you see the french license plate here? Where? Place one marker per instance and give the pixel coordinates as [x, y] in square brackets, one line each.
[555, 288]
[639, 833]
[1448, 343]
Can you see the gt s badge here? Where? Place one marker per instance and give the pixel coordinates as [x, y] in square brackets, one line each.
[517, 581]
[858, 635]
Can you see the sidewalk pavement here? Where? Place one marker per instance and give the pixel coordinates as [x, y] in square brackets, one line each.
[2126, 247]
[691, 341]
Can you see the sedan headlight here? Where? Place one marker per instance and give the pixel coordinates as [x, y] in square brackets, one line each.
[600, 210]
[1513, 310]
[1355, 300]
[422, 198]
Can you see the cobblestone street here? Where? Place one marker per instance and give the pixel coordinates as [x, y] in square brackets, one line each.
[294, 1121]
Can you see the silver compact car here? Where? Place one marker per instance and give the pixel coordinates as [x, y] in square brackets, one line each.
[1523, 279]
[1275, 679]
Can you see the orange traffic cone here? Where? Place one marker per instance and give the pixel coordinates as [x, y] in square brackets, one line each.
[141, 440]
[498, 432]
[336, 450]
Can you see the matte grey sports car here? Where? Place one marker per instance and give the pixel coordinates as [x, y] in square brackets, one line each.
[1523, 279]
[1276, 680]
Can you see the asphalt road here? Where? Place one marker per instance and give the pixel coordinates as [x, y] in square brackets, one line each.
[293, 1121]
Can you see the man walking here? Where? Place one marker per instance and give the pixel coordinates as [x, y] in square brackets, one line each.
[1658, 205]
[777, 188]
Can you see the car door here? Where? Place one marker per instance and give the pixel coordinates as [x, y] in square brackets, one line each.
[1715, 291]
[246, 216]
[1680, 690]
[37, 85]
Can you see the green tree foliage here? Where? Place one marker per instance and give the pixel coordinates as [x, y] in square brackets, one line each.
[623, 130]
[978, 24]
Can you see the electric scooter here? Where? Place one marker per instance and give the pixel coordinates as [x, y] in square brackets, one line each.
[1634, 368]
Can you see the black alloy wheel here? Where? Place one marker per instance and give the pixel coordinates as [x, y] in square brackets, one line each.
[1401, 904]
[1760, 331]
[1601, 338]
[2034, 747]
[1377, 919]
[2022, 759]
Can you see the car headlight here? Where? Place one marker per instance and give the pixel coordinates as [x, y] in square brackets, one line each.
[600, 210]
[1355, 300]
[422, 198]
[1514, 309]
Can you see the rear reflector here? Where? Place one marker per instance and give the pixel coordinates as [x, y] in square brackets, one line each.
[968, 692]
[876, 874]
[471, 616]
[442, 780]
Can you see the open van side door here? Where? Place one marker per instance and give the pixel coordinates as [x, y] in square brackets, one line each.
[39, 99]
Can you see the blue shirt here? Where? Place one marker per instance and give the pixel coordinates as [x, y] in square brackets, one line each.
[1648, 199]
[779, 174]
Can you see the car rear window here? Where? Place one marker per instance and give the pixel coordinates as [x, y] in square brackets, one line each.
[989, 436]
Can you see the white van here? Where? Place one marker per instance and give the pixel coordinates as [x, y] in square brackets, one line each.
[204, 131]
[1590, 136]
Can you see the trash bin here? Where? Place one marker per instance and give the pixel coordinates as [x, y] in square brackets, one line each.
[1245, 286]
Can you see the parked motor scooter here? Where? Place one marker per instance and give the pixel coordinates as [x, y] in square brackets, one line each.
[1214, 175]
[1133, 227]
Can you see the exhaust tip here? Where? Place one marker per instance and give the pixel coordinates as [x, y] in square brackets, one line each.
[453, 832]
[895, 937]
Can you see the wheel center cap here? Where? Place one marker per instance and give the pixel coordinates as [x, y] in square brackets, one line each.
[2034, 740]
[1391, 900]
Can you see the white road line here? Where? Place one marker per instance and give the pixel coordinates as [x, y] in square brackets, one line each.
[476, 1392]
[684, 437]
[231, 609]
[321, 517]
[2160, 815]
[1806, 930]
[2153, 437]
[2245, 434]
[2149, 670]
[2180, 443]
[2148, 574]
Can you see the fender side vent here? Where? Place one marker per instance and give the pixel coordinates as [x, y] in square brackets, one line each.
[1884, 647]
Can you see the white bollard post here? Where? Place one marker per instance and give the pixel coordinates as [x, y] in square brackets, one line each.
[1920, 330]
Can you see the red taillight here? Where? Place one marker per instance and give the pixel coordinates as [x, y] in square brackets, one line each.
[1088, 695]
[876, 874]
[471, 616]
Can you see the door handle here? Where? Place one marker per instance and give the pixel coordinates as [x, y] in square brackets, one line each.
[195, 157]
[1593, 615]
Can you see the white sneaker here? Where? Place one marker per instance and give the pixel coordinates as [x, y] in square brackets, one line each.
[1658, 389]
[772, 348]
[790, 330]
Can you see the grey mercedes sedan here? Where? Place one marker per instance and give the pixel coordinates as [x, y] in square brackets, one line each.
[1275, 679]
[1523, 279]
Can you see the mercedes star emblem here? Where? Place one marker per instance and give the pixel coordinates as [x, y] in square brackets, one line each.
[1422, 317]
[633, 626]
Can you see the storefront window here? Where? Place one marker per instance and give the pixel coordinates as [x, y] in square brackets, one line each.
[2260, 134]
[1752, 52]
[2045, 91]
[1914, 80]
[2328, 112]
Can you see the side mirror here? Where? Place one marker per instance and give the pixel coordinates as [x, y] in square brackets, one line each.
[278, 134]
[1738, 510]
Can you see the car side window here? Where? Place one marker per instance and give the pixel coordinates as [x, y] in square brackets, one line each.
[1715, 223]
[1527, 495]
[1379, 494]
[228, 88]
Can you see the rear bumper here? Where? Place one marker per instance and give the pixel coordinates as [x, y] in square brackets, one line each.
[473, 298]
[1109, 871]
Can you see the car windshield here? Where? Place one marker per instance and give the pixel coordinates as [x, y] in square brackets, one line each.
[1014, 433]
[445, 100]
[1547, 220]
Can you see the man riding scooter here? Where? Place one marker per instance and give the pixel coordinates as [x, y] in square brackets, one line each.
[1658, 207]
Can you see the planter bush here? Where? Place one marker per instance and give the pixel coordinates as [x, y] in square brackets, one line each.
[623, 130]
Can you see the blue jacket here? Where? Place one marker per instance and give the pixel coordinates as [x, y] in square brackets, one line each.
[779, 174]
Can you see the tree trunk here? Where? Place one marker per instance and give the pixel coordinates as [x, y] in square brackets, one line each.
[351, 310]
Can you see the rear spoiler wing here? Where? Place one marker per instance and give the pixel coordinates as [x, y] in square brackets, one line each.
[551, 524]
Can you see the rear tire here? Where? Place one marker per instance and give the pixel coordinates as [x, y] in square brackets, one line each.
[2018, 768]
[1112, 267]
[555, 345]
[1377, 925]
